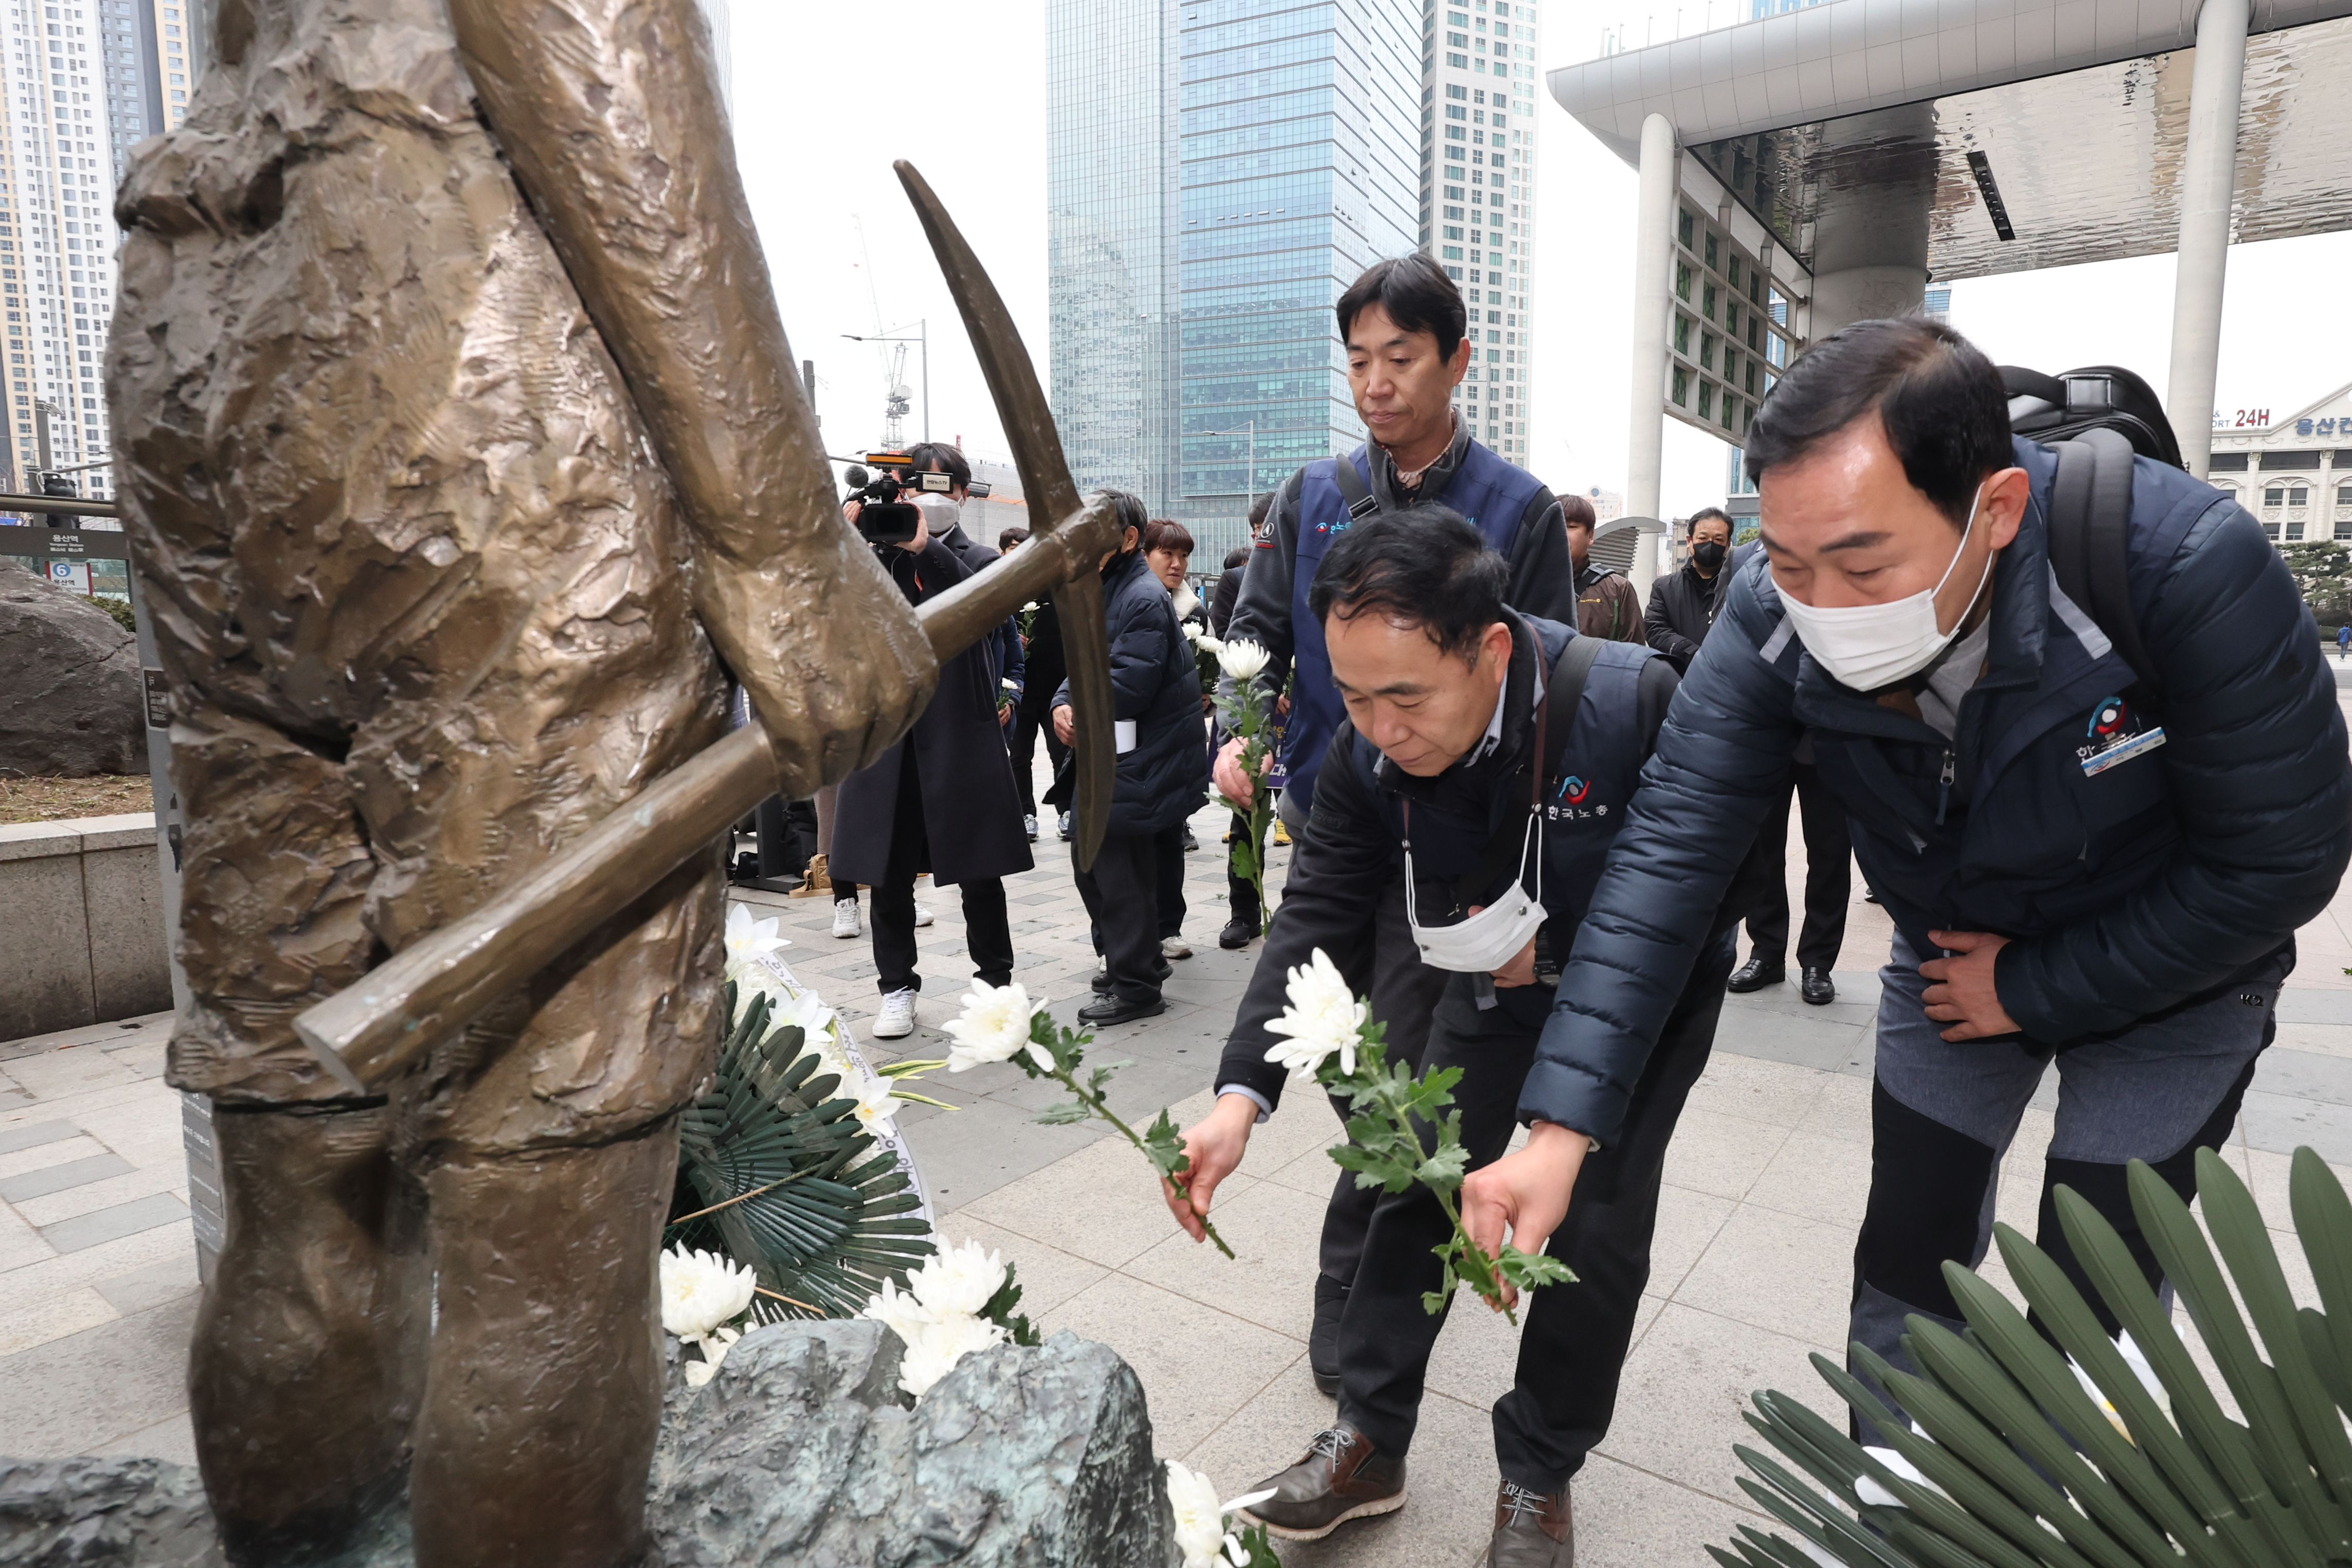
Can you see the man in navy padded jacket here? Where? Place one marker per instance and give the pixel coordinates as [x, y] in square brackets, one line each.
[2078, 864]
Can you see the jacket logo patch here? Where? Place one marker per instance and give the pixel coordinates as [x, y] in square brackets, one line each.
[2115, 734]
[1572, 791]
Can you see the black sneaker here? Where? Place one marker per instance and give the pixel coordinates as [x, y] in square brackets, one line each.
[1237, 934]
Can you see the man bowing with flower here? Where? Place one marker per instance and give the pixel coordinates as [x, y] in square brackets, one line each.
[1484, 763]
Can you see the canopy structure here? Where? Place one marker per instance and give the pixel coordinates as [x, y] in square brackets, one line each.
[1885, 142]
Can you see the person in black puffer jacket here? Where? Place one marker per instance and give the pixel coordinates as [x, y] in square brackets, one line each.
[1164, 773]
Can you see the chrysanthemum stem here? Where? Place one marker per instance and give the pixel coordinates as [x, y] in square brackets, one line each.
[1095, 1102]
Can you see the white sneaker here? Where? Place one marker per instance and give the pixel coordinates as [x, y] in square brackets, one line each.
[846, 923]
[896, 1019]
[1029, 823]
[922, 916]
[1175, 947]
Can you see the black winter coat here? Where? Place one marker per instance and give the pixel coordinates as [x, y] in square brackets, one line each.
[971, 807]
[2162, 878]
[1683, 605]
[1155, 683]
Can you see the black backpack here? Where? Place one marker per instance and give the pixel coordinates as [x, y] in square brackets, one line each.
[2096, 419]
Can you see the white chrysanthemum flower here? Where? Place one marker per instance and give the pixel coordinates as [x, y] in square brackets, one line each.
[898, 1312]
[700, 1290]
[1324, 1016]
[1200, 1523]
[993, 1026]
[1208, 642]
[1242, 660]
[936, 1348]
[1236, 1554]
[748, 939]
[714, 1351]
[958, 1280]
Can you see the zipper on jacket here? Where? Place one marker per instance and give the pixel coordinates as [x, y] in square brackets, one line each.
[1944, 786]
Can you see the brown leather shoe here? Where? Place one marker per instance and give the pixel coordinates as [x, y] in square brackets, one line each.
[1532, 1529]
[1339, 1478]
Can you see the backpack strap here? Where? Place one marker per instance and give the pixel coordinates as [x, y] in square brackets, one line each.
[2090, 520]
[1362, 503]
[1565, 691]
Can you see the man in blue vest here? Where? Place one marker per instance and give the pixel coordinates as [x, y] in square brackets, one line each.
[2096, 834]
[1409, 341]
[1482, 756]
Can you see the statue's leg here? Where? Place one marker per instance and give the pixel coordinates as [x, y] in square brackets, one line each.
[544, 1393]
[302, 1376]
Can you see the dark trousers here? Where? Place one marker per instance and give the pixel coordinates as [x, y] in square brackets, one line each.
[1121, 895]
[1028, 726]
[1167, 867]
[987, 931]
[1827, 853]
[1403, 992]
[1240, 891]
[1574, 1337]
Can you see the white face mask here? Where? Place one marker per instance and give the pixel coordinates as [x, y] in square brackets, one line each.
[1492, 937]
[1868, 646]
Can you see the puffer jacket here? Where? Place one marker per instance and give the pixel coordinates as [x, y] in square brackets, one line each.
[1156, 683]
[2150, 884]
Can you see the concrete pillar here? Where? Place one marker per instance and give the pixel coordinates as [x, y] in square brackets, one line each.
[2209, 171]
[1653, 246]
[1865, 293]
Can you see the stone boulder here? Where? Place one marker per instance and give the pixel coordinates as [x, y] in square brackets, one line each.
[70, 704]
[803, 1450]
[97, 1513]
[800, 1450]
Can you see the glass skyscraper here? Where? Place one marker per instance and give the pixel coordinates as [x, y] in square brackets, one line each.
[1281, 146]
[1111, 196]
[1299, 156]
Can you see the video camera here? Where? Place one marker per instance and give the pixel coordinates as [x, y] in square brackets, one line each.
[882, 516]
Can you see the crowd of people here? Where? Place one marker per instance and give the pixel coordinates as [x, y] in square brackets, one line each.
[2111, 882]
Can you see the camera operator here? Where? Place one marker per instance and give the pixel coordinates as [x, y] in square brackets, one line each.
[942, 800]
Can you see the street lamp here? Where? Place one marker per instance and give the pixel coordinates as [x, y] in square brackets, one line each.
[923, 336]
[1249, 474]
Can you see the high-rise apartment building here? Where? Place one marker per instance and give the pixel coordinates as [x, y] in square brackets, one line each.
[1218, 173]
[148, 67]
[65, 90]
[1478, 197]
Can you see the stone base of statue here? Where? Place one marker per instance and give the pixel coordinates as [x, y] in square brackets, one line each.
[800, 1449]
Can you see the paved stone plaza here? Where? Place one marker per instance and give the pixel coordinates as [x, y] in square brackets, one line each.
[1752, 1267]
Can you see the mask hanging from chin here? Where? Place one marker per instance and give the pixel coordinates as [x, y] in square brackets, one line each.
[1871, 646]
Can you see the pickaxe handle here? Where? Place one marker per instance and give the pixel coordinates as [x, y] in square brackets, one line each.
[368, 1033]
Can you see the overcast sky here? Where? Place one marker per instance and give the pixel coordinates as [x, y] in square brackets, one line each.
[959, 89]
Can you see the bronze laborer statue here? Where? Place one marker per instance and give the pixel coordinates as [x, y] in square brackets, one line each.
[465, 463]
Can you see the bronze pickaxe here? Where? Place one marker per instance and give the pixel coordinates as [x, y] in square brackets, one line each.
[369, 1032]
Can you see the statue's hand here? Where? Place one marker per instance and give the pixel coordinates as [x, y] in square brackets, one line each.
[829, 650]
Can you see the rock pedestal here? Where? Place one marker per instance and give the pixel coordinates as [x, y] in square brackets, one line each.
[70, 705]
[800, 1450]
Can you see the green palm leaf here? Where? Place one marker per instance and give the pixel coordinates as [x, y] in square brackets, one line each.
[2034, 1473]
[775, 1172]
